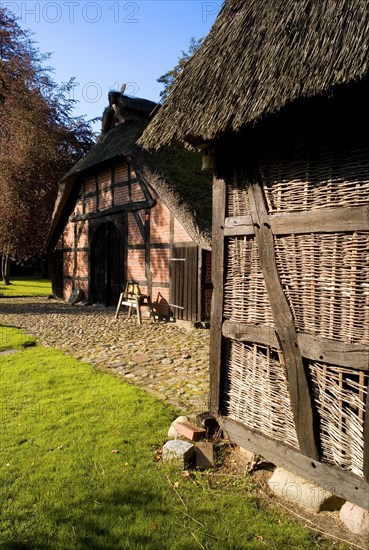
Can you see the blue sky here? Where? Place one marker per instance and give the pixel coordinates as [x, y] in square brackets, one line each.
[109, 42]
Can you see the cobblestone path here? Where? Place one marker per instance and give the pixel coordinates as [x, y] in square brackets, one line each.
[169, 361]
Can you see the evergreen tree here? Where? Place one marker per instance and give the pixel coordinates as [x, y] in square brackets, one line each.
[169, 78]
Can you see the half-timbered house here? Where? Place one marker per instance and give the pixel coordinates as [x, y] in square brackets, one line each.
[123, 214]
[277, 94]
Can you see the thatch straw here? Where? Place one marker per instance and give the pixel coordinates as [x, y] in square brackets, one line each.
[259, 56]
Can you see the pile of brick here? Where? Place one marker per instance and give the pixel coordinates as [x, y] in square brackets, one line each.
[190, 446]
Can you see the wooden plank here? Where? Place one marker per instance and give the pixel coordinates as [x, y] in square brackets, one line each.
[171, 266]
[366, 438]
[217, 274]
[340, 482]
[188, 284]
[194, 284]
[325, 220]
[334, 352]
[200, 307]
[301, 400]
[186, 287]
[147, 241]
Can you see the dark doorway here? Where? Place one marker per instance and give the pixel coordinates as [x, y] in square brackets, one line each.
[107, 265]
[57, 273]
[184, 282]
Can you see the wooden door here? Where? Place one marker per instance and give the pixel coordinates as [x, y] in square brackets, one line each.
[107, 266]
[184, 283]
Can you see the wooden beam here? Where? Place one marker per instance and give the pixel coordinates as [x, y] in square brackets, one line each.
[130, 207]
[83, 187]
[217, 274]
[140, 226]
[141, 180]
[301, 400]
[250, 332]
[340, 482]
[238, 226]
[75, 255]
[325, 220]
[334, 352]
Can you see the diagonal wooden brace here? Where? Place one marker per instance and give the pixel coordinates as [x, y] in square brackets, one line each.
[301, 400]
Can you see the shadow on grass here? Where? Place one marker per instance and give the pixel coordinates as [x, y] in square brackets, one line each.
[125, 520]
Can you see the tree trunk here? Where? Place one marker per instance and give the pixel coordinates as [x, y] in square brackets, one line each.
[5, 269]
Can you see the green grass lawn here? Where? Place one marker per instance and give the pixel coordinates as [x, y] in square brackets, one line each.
[78, 469]
[26, 286]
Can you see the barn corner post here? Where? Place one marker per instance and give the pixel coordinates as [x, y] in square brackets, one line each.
[217, 275]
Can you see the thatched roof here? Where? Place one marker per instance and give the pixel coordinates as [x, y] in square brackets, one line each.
[259, 56]
[174, 173]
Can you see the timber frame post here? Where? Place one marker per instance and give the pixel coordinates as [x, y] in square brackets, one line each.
[217, 275]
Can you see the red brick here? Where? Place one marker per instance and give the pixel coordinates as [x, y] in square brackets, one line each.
[121, 173]
[90, 184]
[190, 432]
[180, 234]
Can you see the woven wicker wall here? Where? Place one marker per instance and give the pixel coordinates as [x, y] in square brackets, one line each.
[256, 391]
[245, 295]
[325, 278]
[340, 396]
[306, 176]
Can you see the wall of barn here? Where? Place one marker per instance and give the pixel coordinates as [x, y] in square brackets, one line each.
[114, 194]
[313, 180]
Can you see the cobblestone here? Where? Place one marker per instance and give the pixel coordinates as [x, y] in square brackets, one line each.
[167, 360]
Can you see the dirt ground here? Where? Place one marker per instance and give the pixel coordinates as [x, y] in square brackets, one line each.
[328, 524]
